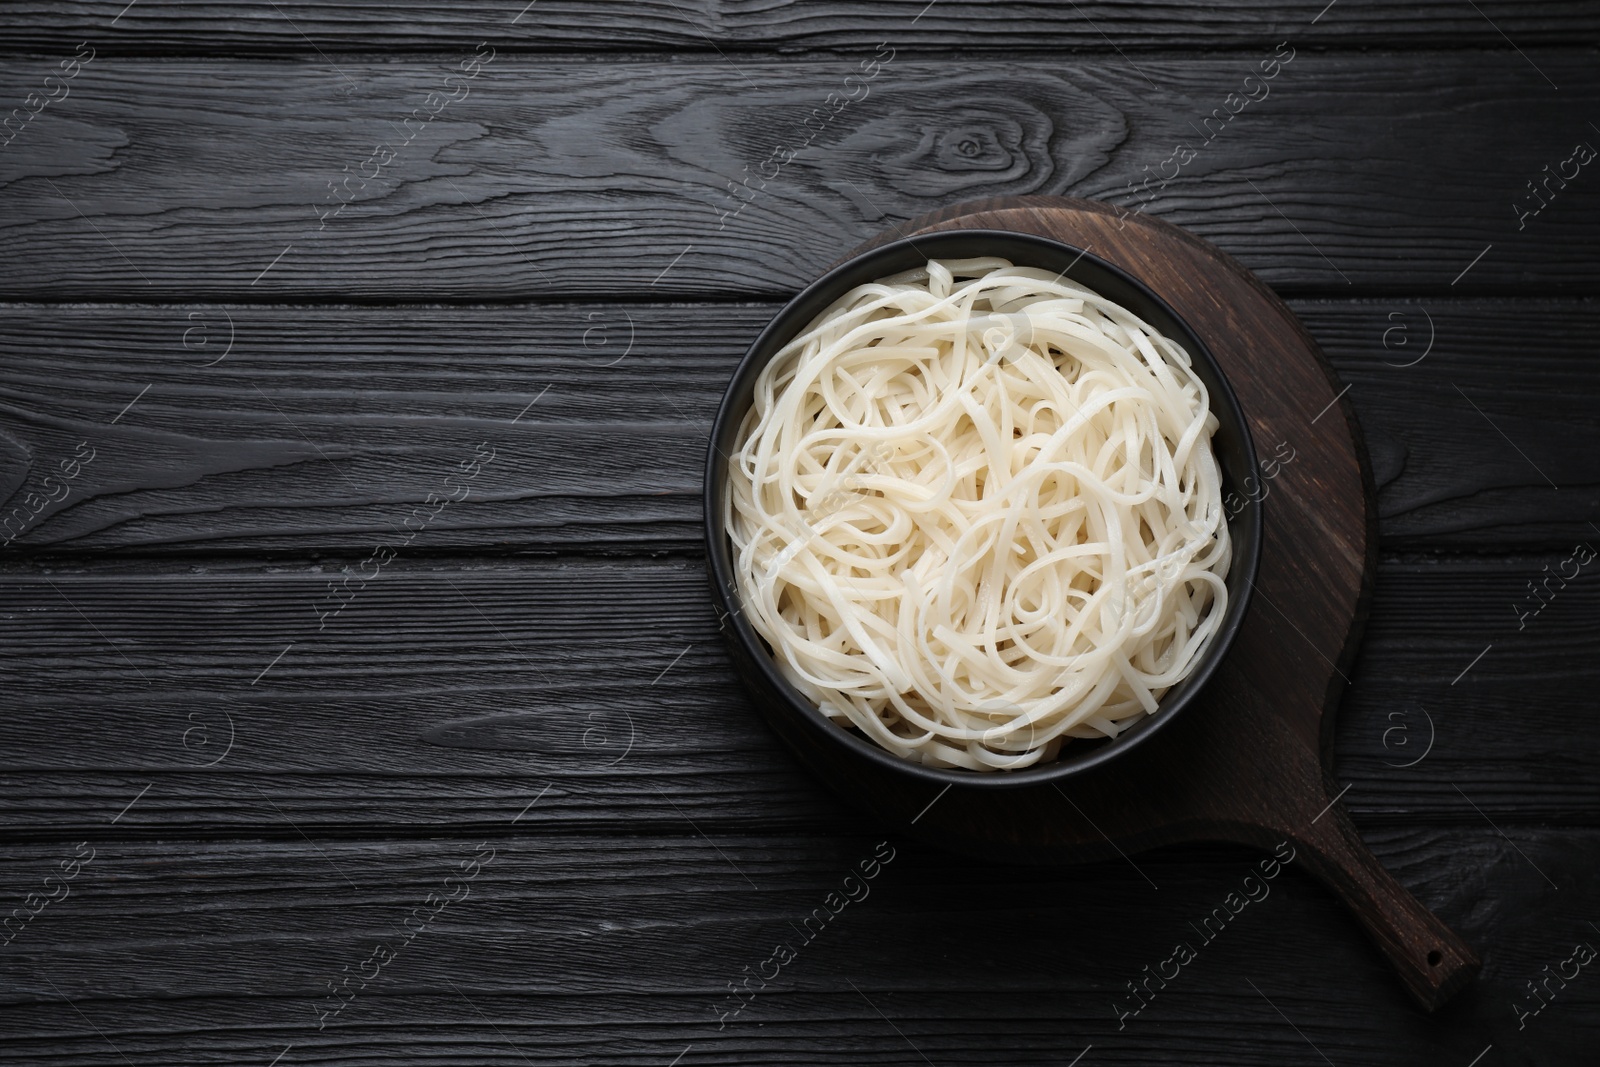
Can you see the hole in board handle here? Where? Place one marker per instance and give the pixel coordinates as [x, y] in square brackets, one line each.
[1434, 958]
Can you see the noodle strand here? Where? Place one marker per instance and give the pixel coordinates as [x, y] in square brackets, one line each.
[975, 514]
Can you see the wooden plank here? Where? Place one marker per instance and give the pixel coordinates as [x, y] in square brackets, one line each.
[323, 428]
[299, 26]
[550, 177]
[611, 949]
[454, 694]
[1498, 388]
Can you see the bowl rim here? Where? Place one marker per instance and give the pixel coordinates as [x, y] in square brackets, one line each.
[1245, 528]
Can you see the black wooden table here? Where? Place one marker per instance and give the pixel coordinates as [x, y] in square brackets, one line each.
[363, 700]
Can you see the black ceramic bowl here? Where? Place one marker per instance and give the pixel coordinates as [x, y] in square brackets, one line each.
[785, 708]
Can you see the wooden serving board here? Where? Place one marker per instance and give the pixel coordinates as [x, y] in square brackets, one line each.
[1250, 761]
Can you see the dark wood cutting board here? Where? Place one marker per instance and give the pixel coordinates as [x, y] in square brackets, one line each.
[1250, 761]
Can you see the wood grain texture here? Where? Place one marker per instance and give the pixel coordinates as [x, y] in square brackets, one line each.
[582, 949]
[451, 694]
[321, 428]
[455, 689]
[582, 176]
[1430, 385]
[300, 27]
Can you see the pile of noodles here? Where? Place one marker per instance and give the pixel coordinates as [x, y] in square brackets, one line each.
[975, 512]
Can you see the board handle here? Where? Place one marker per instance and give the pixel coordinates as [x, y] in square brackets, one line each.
[1433, 963]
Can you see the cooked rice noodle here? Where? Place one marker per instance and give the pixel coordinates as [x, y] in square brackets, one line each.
[975, 512]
